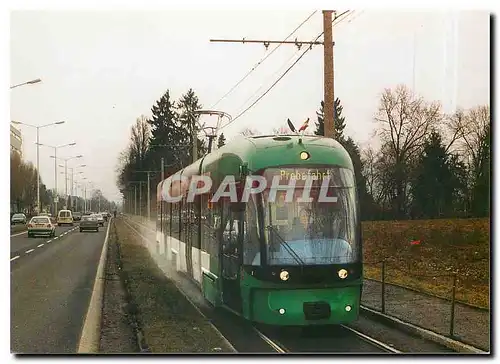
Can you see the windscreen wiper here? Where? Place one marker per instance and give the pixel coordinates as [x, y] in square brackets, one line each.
[287, 247]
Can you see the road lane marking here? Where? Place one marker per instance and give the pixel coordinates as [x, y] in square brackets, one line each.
[57, 237]
[29, 251]
[48, 241]
[24, 232]
[39, 246]
[17, 256]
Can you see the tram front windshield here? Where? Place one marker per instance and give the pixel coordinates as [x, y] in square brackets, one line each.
[315, 224]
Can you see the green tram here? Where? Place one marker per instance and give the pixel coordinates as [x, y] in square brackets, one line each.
[293, 261]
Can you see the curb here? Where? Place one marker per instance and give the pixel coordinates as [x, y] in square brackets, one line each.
[91, 332]
[455, 345]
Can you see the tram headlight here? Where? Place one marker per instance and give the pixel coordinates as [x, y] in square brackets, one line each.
[281, 311]
[304, 155]
[348, 308]
[342, 274]
[284, 275]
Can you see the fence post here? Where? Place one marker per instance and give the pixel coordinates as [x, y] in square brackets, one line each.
[452, 318]
[383, 286]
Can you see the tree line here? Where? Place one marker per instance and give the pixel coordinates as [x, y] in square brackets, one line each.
[429, 164]
[23, 192]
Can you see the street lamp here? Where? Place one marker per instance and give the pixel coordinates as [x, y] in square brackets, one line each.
[55, 168]
[75, 185]
[38, 154]
[66, 170]
[72, 178]
[27, 83]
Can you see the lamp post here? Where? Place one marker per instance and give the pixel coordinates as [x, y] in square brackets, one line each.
[55, 169]
[37, 154]
[66, 172]
[76, 184]
[84, 183]
[72, 182]
[27, 83]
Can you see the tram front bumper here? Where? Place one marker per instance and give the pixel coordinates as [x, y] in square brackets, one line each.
[303, 307]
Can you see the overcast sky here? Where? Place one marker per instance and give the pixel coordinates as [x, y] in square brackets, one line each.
[101, 70]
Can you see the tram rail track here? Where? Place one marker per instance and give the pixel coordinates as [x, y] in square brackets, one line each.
[276, 344]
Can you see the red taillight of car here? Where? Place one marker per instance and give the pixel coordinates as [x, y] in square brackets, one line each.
[49, 225]
[29, 225]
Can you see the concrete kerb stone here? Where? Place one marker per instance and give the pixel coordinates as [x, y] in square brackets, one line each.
[421, 332]
[91, 333]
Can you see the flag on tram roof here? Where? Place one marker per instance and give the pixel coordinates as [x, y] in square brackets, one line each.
[305, 125]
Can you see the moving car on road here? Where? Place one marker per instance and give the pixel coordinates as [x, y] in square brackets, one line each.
[100, 219]
[18, 219]
[77, 216]
[89, 222]
[104, 215]
[65, 217]
[41, 225]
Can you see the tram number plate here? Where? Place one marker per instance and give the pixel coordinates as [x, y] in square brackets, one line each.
[317, 310]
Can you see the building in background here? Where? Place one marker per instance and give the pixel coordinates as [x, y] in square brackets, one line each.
[16, 140]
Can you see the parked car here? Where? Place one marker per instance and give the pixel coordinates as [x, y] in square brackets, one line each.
[77, 216]
[18, 219]
[100, 219]
[41, 225]
[89, 222]
[64, 217]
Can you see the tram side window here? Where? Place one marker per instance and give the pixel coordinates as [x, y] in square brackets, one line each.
[175, 218]
[207, 230]
[195, 220]
[165, 217]
[158, 216]
[234, 227]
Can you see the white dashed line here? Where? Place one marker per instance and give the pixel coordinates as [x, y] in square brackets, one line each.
[48, 241]
[56, 238]
[29, 251]
[39, 246]
[21, 233]
[17, 256]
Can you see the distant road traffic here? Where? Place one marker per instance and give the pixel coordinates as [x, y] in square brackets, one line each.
[51, 285]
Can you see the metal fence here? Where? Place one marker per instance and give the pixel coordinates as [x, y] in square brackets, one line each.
[441, 312]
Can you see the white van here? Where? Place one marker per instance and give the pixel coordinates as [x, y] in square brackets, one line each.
[64, 217]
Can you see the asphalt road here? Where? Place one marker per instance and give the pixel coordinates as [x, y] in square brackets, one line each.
[51, 288]
[20, 243]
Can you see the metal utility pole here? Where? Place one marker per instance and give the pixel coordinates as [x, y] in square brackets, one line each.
[328, 75]
[135, 200]
[56, 198]
[194, 138]
[328, 65]
[162, 168]
[149, 193]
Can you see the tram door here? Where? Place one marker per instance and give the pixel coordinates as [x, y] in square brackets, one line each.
[231, 253]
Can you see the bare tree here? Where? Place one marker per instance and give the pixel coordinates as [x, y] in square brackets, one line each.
[139, 139]
[16, 180]
[369, 159]
[405, 121]
[470, 129]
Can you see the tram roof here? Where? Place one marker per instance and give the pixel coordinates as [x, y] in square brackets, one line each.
[266, 151]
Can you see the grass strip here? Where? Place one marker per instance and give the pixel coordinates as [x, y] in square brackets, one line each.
[168, 320]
